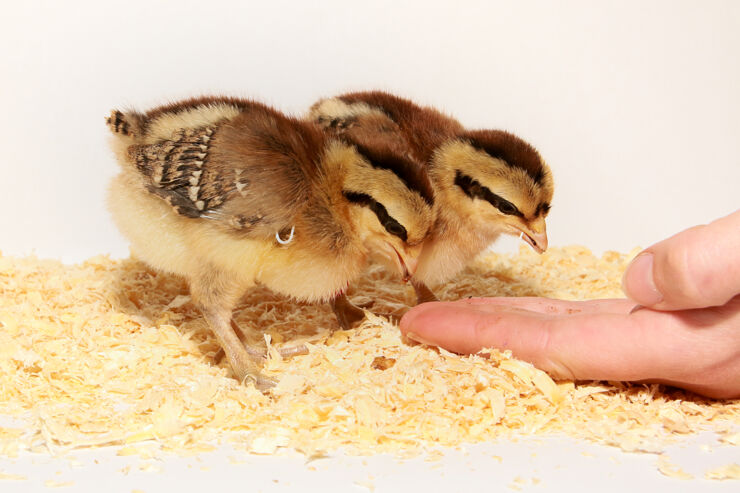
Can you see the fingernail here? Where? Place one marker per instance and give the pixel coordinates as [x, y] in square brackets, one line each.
[418, 338]
[638, 283]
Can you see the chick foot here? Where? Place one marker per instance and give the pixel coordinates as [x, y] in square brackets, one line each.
[423, 293]
[242, 363]
[257, 354]
[348, 315]
[260, 354]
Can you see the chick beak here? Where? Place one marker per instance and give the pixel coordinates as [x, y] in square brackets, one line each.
[535, 235]
[406, 264]
[410, 264]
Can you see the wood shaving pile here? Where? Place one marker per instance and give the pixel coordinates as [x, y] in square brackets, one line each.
[112, 353]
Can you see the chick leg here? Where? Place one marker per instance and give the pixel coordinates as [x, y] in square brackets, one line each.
[423, 293]
[216, 296]
[242, 363]
[348, 315]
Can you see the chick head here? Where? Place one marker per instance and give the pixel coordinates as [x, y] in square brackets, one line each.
[497, 182]
[390, 203]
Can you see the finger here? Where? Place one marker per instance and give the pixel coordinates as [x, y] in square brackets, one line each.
[553, 306]
[690, 349]
[466, 328]
[697, 268]
[582, 346]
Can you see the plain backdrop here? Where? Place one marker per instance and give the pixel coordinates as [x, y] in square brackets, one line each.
[635, 104]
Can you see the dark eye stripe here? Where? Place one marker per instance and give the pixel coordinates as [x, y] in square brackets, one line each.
[391, 225]
[411, 174]
[475, 190]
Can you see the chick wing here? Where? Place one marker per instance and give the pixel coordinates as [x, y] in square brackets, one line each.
[249, 174]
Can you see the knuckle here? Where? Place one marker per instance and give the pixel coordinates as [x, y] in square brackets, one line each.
[542, 342]
[552, 360]
[682, 273]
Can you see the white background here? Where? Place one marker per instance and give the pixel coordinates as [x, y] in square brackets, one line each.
[635, 104]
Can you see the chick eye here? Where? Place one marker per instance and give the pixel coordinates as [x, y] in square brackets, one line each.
[543, 209]
[507, 207]
[394, 227]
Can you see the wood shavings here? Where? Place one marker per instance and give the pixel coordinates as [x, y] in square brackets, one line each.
[434, 456]
[674, 420]
[729, 471]
[112, 353]
[150, 467]
[517, 483]
[730, 438]
[367, 484]
[668, 468]
[178, 301]
[145, 451]
[50, 483]
[5, 476]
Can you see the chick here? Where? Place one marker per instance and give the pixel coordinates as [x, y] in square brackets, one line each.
[486, 182]
[229, 192]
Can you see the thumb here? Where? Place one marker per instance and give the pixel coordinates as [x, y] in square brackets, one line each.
[697, 268]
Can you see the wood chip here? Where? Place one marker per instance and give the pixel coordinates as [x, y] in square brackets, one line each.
[382, 363]
[730, 471]
[668, 468]
[50, 483]
[730, 438]
[5, 476]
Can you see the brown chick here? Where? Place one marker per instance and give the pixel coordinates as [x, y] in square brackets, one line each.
[229, 192]
[486, 182]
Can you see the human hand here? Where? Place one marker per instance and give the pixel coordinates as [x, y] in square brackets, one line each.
[681, 325]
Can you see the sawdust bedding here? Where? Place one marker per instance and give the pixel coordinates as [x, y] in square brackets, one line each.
[111, 353]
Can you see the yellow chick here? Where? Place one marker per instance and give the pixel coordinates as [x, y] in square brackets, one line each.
[230, 192]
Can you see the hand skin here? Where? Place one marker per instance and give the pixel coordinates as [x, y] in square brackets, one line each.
[680, 325]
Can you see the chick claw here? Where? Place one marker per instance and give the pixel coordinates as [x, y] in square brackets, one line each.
[262, 383]
[260, 355]
[392, 319]
[241, 361]
[288, 352]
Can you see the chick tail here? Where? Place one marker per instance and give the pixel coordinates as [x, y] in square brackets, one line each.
[124, 124]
